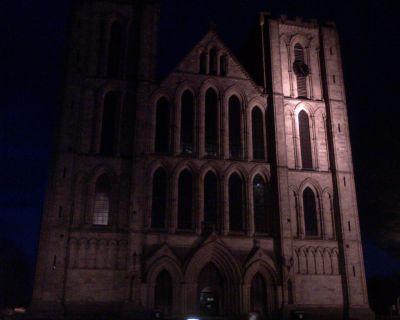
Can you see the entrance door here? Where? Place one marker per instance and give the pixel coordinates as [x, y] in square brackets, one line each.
[210, 291]
[258, 295]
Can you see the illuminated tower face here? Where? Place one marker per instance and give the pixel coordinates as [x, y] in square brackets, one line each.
[318, 207]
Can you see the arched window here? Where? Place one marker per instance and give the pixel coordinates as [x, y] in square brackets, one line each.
[300, 75]
[163, 293]
[162, 126]
[211, 122]
[223, 65]
[211, 200]
[102, 201]
[258, 134]
[187, 122]
[258, 295]
[108, 125]
[203, 63]
[159, 201]
[236, 203]
[115, 51]
[310, 213]
[213, 61]
[235, 128]
[305, 140]
[262, 205]
[185, 200]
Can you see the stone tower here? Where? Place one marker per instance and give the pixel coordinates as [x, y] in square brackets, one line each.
[110, 61]
[314, 170]
[207, 192]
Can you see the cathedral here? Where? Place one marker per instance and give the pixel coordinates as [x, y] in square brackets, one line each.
[221, 190]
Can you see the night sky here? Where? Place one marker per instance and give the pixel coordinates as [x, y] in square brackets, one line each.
[31, 52]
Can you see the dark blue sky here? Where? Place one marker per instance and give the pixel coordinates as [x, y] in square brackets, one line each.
[32, 40]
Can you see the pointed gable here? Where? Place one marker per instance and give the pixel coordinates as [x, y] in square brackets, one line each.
[191, 62]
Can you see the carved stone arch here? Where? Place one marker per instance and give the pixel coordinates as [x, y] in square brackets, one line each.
[239, 169]
[164, 262]
[268, 273]
[303, 261]
[168, 264]
[319, 260]
[207, 84]
[235, 90]
[311, 263]
[316, 189]
[335, 261]
[182, 165]
[217, 254]
[181, 88]
[260, 170]
[284, 38]
[159, 93]
[327, 261]
[99, 170]
[313, 184]
[259, 102]
[308, 108]
[155, 165]
[93, 177]
[209, 166]
[301, 39]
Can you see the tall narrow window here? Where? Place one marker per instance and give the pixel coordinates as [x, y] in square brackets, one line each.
[301, 71]
[108, 127]
[102, 201]
[185, 201]
[211, 122]
[162, 126]
[223, 65]
[236, 203]
[203, 63]
[262, 204]
[163, 293]
[310, 213]
[258, 134]
[159, 201]
[235, 128]
[115, 51]
[210, 200]
[213, 61]
[305, 140]
[258, 295]
[187, 122]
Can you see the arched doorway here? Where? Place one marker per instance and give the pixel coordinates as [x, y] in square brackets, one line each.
[210, 291]
[163, 293]
[258, 295]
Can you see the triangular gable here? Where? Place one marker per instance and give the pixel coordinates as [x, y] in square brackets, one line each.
[163, 251]
[190, 63]
[256, 254]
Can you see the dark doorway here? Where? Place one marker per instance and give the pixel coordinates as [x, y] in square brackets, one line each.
[210, 291]
[258, 295]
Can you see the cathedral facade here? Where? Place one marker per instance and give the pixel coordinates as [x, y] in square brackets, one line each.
[207, 193]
